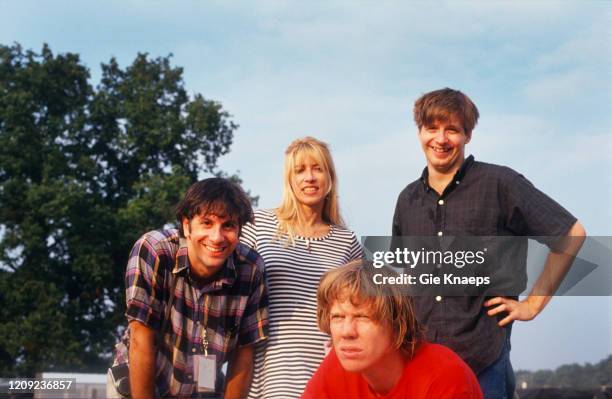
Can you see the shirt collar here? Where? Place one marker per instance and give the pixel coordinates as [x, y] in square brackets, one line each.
[459, 175]
[228, 273]
[182, 260]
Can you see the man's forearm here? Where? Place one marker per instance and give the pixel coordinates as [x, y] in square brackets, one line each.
[142, 362]
[557, 265]
[240, 372]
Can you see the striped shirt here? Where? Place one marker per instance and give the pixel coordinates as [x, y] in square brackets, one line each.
[296, 347]
[231, 311]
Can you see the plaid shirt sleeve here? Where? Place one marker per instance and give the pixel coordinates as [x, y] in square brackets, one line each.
[254, 324]
[144, 284]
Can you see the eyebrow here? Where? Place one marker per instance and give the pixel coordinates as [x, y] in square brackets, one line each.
[230, 218]
[437, 123]
[302, 164]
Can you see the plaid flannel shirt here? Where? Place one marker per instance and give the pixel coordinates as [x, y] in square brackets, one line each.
[232, 309]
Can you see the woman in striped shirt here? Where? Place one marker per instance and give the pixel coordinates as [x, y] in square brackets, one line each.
[299, 241]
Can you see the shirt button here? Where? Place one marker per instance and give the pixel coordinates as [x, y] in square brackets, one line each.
[441, 202]
[189, 376]
[440, 234]
[438, 298]
[457, 182]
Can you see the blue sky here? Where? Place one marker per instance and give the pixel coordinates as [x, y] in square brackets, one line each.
[348, 73]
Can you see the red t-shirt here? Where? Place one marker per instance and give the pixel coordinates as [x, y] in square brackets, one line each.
[435, 372]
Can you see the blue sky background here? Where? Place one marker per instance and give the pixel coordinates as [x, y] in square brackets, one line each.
[349, 72]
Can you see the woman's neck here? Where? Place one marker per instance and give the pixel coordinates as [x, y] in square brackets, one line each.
[311, 222]
[311, 216]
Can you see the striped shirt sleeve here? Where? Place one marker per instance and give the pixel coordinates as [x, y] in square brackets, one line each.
[248, 234]
[356, 250]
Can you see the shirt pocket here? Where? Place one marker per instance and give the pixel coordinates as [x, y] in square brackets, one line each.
[477, 220]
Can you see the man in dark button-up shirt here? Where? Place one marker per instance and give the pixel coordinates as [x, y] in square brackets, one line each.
[462, 197]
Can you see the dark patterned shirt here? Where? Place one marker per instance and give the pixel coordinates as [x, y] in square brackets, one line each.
[481, 200]
[232, 309]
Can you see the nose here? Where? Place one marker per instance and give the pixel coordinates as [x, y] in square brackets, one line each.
[215, 235]
[441, 136]
[309, 175]
[349, 328]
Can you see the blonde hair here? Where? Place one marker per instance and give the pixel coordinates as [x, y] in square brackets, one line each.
[387, 302]
[289, 213]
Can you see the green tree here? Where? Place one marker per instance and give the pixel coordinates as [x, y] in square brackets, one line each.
[589, 376]
[84, 171]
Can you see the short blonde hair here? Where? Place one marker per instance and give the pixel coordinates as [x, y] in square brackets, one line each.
[387, 303]
[288, 212]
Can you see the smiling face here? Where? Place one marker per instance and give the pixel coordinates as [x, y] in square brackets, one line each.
[310, 182]
[211, 239]
[443, 143]
[362, 344]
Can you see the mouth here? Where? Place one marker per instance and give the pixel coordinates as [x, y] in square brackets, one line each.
[350, 352]
[215, 249]
[310, 189]
[440, 151]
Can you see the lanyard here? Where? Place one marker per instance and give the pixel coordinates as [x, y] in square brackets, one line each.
[204, 332]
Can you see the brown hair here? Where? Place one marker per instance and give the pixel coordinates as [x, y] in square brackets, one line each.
[288, 212]
[442, 105]
[215, 195]
[388, 304]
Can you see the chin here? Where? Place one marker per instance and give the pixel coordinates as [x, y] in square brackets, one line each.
[215, 263]
[352, 366]
[357, 370]
[212, 263]
[444, 164]
[312, 202]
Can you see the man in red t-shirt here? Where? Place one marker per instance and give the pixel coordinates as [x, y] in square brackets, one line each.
[377, 347]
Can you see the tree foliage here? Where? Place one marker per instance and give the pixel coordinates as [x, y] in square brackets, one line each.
[570, 376]
[84, 171]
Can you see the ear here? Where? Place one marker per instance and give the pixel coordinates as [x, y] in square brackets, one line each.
[468, 137]
[186, 228]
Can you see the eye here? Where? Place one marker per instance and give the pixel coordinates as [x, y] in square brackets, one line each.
[230, 225]
[206, 222]
[336, 317]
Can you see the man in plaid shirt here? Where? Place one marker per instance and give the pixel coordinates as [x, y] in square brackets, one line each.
[461, 197]
[196, 298]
